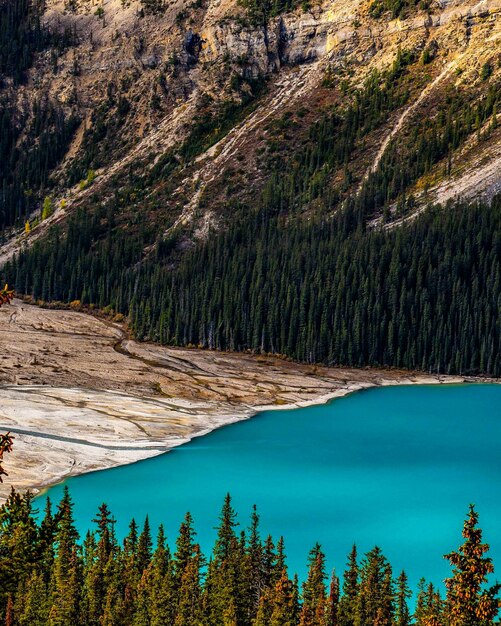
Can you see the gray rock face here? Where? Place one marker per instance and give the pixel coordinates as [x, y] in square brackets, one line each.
[289, 40]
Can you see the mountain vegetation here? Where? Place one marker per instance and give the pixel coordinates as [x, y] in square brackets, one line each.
[48, 576]
[423, 296]
[318, 248]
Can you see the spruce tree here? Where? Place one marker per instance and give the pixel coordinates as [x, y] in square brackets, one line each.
[348, 601]
[429, 606]
[65, 583]
[18, 542]
[144, 547]
[33, 611]
[161, 581]
[469, 601]
[332, 618]
[256, 574]
[376, 595]
[314, 607]
[189, 606]
[403, 593]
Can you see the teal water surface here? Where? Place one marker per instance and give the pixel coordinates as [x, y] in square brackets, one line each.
[395, 466]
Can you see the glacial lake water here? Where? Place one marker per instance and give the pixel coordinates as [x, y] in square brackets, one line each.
[394, 466]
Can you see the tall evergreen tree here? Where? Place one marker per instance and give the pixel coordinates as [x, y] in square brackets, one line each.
[429, 606]
[65, 584]
[144, 547]
[375, 598]
[314, 607]
[403, 593]
[332, 618]
[469, 601]
[18, 542]
[348, 601]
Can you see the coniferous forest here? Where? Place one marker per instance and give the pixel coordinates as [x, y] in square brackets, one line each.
[422, 296]
[48, 576]
[316, 284]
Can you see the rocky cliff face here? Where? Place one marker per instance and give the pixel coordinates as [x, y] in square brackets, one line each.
[140, 83]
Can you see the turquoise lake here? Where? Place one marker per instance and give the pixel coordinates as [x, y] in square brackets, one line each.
[394, 466]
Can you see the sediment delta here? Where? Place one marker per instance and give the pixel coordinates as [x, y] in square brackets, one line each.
[79, 395]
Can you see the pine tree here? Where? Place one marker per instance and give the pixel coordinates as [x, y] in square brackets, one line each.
[284, 609]
[34, 609]
[105, 531]
[402, 613]
[185, 548]
[348, 601]
[333, 602]
[256, 575]
[314, 593]
[189, 596]
[469, 601]
[65, 581]
[18, 542]
[224, 574]
[142, 602]
[161, 581]
[429, 606]
[226, 537]
[144, 547]
[97, 578]
[375, 597]
[264, 609]
[46, 535]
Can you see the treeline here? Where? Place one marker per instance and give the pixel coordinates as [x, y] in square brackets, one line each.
[424, 296]
[48, 578]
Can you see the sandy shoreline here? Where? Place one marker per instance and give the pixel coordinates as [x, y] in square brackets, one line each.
[77, 404]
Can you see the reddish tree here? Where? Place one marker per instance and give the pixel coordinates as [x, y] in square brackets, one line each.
[469, 601]
[5, 446]
[6, 295]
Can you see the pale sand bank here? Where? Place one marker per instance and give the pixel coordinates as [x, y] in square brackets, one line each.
[79, 396]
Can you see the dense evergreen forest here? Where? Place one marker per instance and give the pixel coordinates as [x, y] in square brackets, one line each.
[426, 295]
[49, 578]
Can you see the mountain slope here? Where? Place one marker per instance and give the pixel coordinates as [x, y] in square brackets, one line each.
[183, 133]
[140, 85]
